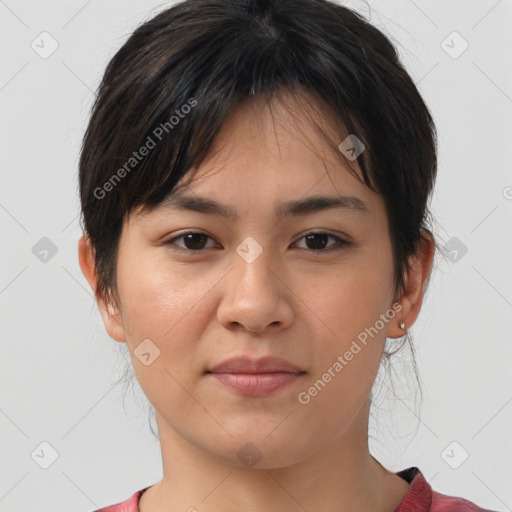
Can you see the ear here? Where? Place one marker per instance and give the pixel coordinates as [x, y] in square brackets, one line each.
[110, 314]
[415, 284]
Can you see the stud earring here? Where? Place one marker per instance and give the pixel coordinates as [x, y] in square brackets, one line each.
[402, 326]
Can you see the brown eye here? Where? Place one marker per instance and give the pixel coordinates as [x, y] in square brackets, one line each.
[317, 242]
[193, 241]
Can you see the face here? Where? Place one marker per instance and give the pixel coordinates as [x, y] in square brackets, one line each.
[313, 286]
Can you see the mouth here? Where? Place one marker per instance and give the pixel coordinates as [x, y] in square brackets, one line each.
[256, 377]
[269, 364]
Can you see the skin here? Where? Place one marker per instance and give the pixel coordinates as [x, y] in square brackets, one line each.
[293, 301]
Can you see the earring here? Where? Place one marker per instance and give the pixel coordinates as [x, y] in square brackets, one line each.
[402, 326]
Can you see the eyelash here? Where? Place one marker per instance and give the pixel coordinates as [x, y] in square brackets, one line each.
[340, 242]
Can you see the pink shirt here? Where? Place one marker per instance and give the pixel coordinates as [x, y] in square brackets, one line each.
[420, 498]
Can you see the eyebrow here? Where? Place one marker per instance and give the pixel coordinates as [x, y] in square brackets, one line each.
[294, 208]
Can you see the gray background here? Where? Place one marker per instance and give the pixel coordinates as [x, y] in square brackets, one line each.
[58, 366]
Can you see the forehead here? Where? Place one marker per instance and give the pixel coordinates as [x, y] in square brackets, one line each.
[273, 152]
[284, 125]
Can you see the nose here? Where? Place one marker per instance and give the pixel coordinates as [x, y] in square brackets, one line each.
[256, 295]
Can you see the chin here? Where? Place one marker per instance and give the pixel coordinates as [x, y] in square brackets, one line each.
[267, 446]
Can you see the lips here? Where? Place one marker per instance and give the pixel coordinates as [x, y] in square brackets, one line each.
[256, 377]
[269, 364]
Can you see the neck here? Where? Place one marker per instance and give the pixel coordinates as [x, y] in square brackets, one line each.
[341, 476]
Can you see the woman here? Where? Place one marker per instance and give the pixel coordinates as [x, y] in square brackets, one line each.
[254, 182]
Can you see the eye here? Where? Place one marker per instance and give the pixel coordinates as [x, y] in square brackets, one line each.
[194, 241]
[319, 241]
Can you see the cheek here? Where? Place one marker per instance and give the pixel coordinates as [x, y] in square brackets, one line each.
[349, 300]
[348, 353]
[164, 305]
[348, 344]
[155, 293]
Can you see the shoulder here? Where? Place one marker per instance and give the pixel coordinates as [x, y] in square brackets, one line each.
[444, 503]
[131, 504]
[422, 498]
